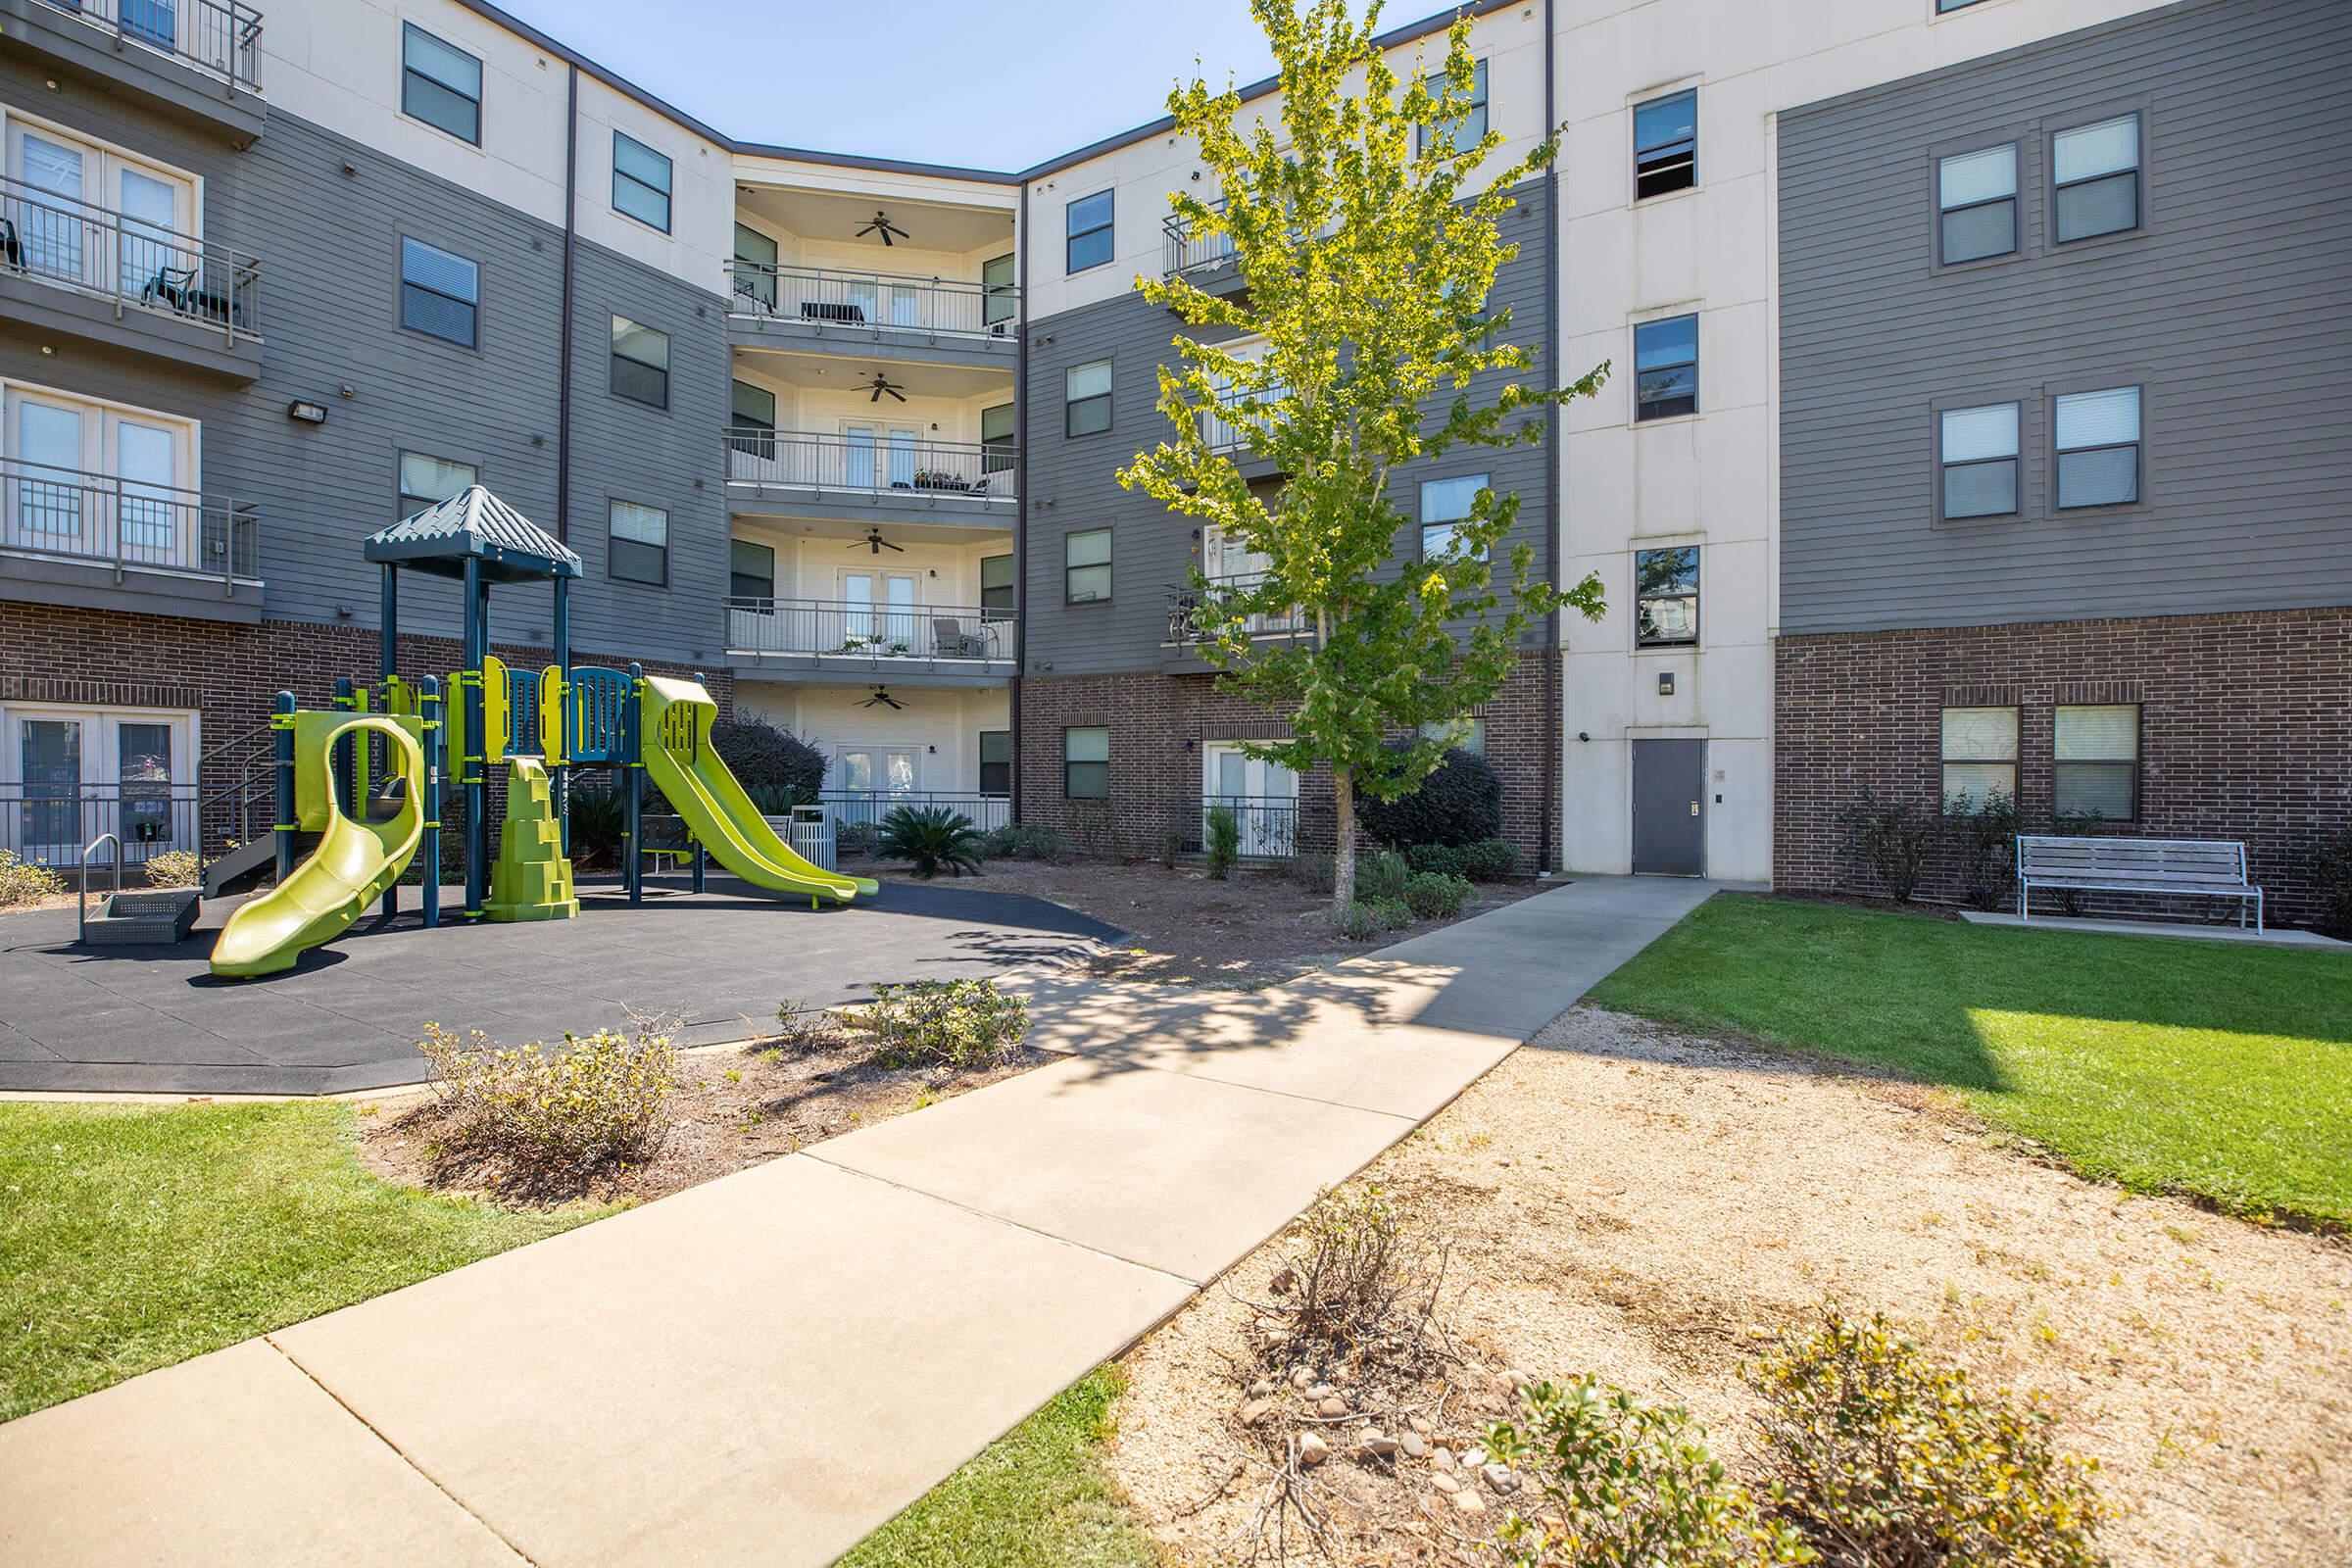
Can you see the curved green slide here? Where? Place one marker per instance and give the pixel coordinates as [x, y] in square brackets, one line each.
[675, 743]
[355, 860]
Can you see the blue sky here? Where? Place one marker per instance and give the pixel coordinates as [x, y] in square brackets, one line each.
[984, 83]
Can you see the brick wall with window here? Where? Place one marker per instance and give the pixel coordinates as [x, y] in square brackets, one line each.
[2233, 726]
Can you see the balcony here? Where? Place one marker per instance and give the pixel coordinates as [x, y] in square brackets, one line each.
[107, 542]
[1193, 614]
[110, 278]
[914, 644]
[889, 477]
[192, 59]
[874, 315]
[1195, 256]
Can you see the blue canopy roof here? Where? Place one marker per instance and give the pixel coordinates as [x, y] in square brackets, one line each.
[474, 526]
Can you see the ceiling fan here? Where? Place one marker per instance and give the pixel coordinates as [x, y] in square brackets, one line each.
[882, 698]
[875, 544]
[882, 383]
[882, 226]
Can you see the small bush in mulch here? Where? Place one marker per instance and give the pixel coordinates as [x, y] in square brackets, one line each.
[1435, 898]
[1025, 841]
[955, 1023]
[1492, 861]
[554, 1116]
[930, 839]
[1368, 919]
[23, 882]
[173, 868]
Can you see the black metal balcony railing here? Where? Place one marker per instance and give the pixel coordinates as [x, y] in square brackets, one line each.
[125, 523]
[220, 38]
[113, 257]
[917, 632]
[1184, 251]
[882, 303]
[49, 822]
[881, 463]
[859, 812]
[1267, 825]
[1192, 613]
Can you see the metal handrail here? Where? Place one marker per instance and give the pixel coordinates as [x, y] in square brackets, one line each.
[1183, 251]
[128, 262]
[1185, 605]
[840, 627]
[126, 523]
[880, 301]
[81, 910]
[875, 464]
[220, 38]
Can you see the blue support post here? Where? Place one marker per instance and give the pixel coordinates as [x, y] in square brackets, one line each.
[387, 615]
[429, 712]
[559, 785]
[632, 732]
[702, 858]
[283, 744]
[472, 766]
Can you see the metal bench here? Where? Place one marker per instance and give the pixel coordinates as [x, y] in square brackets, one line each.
[2199, 868]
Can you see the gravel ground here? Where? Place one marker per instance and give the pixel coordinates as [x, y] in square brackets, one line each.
[1638, 1203]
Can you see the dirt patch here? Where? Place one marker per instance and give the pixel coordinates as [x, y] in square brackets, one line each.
[1642, 1204]
[1256, 928]
[733, 1108]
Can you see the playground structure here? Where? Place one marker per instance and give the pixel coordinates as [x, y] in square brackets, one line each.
[428, 739]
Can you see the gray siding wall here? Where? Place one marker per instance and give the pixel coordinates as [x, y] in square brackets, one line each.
[2231, 306]
[1073, 483]
[328, 244]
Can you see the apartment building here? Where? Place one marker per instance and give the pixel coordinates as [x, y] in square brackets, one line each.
[842, 433]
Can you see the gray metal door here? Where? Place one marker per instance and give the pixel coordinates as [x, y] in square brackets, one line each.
[1670, 823]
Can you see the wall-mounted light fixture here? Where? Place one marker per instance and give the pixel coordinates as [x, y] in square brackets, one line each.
[307, 411]
[1666, 683]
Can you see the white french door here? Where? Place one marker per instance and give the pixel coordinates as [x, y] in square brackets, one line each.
[88, 215]
[69, 775]
[1263, 796]
[879, 609]
[86, 479]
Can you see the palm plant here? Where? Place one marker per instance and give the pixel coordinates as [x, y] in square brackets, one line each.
[931, 839]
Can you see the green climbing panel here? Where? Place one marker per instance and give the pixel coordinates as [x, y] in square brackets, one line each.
[531, 880]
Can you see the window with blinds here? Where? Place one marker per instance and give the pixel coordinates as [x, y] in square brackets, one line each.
[1980, 756]
[2098, 448]
[2096, 752]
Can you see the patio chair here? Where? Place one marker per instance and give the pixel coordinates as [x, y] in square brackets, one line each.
[174, 286]
[12, 251]
[953, 641]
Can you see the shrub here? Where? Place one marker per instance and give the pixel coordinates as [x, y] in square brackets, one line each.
[930, 839]
[1886, 841]
[1985, 835]
[2331, 881]
[1435, 898]
[801, 1026]
[1311, 870]
[854, 838]
[1492, 861]
[25, 882]
[1435, 859]
[593, 1102]
[1224, 833]
[955, 1024]
[1351, 1273]
[1367, 919]
[1381, 874]
[763, 756]
[174, 869]
[1626, 1485]
[1461, 803]
[777, 800]
[1024, 841]
[600, 821]
[1879, 1456]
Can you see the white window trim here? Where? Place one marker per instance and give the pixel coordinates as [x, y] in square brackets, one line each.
[190, 430]
[113, 155]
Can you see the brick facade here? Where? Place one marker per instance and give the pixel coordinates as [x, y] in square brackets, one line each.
[2246, 729]
[1157, 722]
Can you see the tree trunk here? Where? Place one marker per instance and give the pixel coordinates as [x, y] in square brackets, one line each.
[1342, 854]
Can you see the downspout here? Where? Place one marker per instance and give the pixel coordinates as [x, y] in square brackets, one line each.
[1020, 485]
[571, 177]
[1556, 671]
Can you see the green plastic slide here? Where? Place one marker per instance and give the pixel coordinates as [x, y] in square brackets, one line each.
[675, 742]
[355, 862]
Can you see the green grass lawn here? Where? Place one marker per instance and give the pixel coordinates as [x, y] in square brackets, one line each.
[2211, 1069]
[1035, 1497]
[131, 1239]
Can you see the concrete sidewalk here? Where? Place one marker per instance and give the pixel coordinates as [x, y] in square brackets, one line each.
[763, 1368]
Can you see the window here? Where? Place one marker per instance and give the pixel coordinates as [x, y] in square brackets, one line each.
[76, 464]
[641, 181]
[1979, 755]
[440, 84]
[1468, 734]
[751, 572]
[2098, 448]
[1978, 454]
[425, 481]
[1666, 145]
[1976, 203]
[2098, 761]
[1089, 241]
[1086, 566]
[640, 364]
[1086, 763]
[1000, 294]
[2096, 168]
[1666, 367]
[996, 588]
[1086, 399]
[751, 420]
[1942, 6]
[1666, 596]
[1473, 128]
[996, 761]
[60, 240]
[440, 294]
[755, 267]
[1444, 504]
[81, 769]
[639, 550]
[996, 439]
